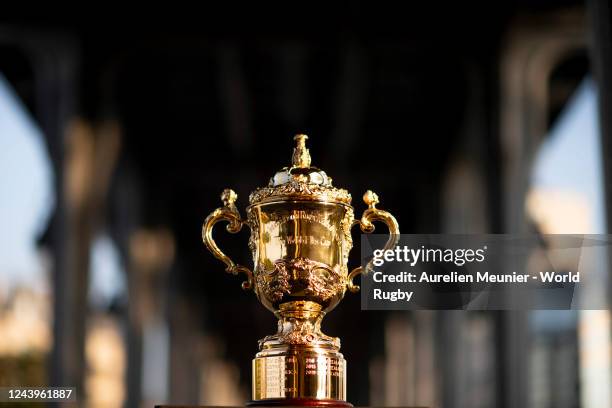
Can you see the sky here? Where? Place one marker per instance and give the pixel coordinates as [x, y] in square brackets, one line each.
[26, 193]
[26, 203]
[570, 158]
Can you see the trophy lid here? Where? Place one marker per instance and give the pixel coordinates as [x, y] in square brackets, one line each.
[300, 182]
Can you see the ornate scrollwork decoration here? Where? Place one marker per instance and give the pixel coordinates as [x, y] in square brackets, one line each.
[366, 223]
[228, 213]
[301, 190]
[317, 279]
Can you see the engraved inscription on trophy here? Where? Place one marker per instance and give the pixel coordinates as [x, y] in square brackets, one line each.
[310, 368]
[303, 215]
[290, 376]
[333, 367]
[318, 227]
[321, 365]
[275, 376]
[307, 240]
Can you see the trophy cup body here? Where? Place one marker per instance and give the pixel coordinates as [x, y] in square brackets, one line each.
[300, 241]
[300, 252]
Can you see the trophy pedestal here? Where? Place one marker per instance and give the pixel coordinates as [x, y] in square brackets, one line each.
[299, 375]
[299, 363]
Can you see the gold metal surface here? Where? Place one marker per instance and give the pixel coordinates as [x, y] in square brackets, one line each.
[367, 226]
[228, 213]
[300, 252]
[301, 155]
[298, 190]
[301, 374]
[300, 241]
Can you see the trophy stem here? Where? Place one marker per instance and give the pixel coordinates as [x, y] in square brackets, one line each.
[299, 361]
[299, 323]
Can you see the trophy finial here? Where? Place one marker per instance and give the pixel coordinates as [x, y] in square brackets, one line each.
[301, 155]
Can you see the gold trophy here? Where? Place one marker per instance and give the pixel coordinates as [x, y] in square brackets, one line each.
[300, 239]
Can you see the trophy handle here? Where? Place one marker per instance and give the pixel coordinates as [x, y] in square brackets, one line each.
[370, 215]
[228, 213]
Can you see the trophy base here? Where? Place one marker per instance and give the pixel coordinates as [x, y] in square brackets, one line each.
[299, 363]
[299, 402]
[299, 374]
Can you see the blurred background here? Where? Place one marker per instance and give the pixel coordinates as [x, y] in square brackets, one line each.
[118, 134]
